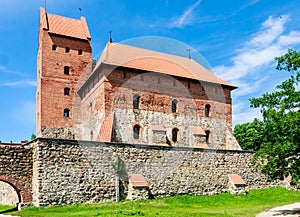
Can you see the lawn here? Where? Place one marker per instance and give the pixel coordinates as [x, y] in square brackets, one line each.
[216, 205]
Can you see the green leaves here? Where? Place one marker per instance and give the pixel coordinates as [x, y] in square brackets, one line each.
[277, 138]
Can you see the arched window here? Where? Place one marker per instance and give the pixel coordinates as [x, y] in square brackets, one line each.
[207, 110]
[66, 113]
[174, 105]
[66, 70]
[136, 131]
[67, 91]
[207, 132]
[174, 134]
[136, 100]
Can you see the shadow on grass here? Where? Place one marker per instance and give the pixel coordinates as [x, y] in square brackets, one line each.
[9, 210]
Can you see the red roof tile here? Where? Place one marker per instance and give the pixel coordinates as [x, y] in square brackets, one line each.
[137, 180]
[197, 130]
[64, 26]
[236, 179]
[106, 129]
[139, 58]
[201, 145]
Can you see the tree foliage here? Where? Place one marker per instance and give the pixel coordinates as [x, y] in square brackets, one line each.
[249, 135]
[279, 132]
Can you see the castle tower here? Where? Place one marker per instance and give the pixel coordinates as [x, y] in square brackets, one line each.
[64, 51]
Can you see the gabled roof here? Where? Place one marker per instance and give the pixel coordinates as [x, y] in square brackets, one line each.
[137, 180]
[148, 60]
[64, 26]
[236, 179]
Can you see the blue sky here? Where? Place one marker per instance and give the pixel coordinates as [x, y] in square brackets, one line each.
[239, 39]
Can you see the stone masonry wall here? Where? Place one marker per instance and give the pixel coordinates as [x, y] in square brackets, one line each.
[16, 170]
[8, 195]
[69, 171]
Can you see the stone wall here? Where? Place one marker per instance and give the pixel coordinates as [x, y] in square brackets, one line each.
[16, 170]
[8, 195]
[69, 171]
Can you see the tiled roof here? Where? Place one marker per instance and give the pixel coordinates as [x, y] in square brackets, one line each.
[236, 179]
[197, 130]
[201, 145]
[143, 59]
[64, 26]
[137, 180]
[106, 129]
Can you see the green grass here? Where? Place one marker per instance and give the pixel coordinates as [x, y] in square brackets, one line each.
[222, 205]
[6, 207]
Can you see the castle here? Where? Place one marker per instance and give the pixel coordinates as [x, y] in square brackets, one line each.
[130, 95]
[135, 124]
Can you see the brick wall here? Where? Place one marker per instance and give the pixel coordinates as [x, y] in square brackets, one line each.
[52, 80]
[111, 93]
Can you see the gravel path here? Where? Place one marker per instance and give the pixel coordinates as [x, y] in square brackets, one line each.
[291, 210]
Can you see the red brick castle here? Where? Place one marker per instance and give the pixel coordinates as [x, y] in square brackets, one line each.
[130, 95]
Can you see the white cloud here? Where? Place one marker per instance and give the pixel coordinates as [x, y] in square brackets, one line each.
[186, 17]
[8, 71]
[22, 83]
[251, 64]
[248, 87]
[259, 52]
[246, 116]
[270, 30]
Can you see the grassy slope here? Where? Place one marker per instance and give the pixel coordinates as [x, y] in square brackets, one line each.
[216, 205]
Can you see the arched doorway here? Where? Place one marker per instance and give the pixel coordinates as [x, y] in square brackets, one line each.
[21, 195]
[8, 195]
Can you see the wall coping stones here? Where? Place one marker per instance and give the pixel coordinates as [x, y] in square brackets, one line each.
[140, 146]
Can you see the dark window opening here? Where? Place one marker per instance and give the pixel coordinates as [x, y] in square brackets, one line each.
[174, 135]
[79, 52]
[207, 110]
[136, 100]
[124, 75]
[66, 70]
[207, 136]
[189, 85]
[67, 91]
[54, 47]
[136, 132]
[67, 50]
[174, 105]
[66, 113]
[91, 135]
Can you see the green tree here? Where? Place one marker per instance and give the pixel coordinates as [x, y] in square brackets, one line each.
[249, 135]
[278, 155]
[33, 136]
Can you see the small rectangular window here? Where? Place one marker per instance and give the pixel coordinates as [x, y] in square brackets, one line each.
[67, 50]
[66, 70]
[79, 52]
[54, 47]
